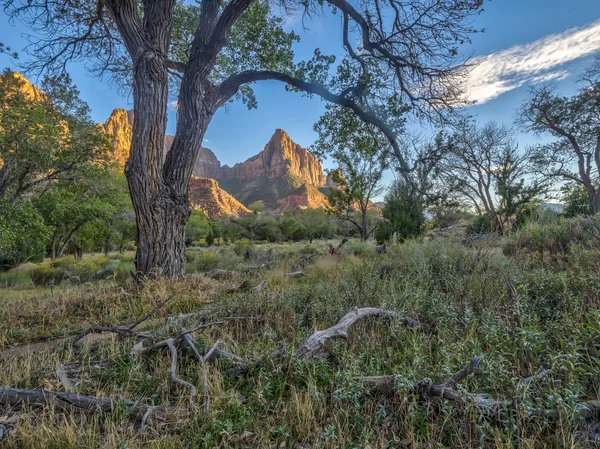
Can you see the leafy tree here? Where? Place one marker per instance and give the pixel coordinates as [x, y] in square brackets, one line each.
[211, 52]
[46, 135]
[361, 153]
[74, 211]
[23, 234]
[198, 226]
[575, 124]
[210, 239]
[291, 228]
[317, 223]
[576, 200]
[403, 210]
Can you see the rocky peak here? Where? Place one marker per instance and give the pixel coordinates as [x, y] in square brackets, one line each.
[206, 194]
[120, 126]
[281, 156]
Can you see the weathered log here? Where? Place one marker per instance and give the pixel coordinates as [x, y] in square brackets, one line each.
[295, 274]
[74, 402]
[314, 345]
[259, 287]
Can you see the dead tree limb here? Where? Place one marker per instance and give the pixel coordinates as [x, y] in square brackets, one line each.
[122, 331]
[173, 371]
[313, 346]
[74, 402]
[191, 343]
[64, 379]
[222, 274]
[242, 370]
[491, 406]
[259, 287]
[295, 274]
[331, 250]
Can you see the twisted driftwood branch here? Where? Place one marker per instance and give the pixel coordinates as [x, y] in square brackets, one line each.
[313, 347]
[173, 371]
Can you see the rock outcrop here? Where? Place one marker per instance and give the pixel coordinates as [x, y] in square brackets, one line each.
[306, 197]
[283, 175]
[120, 126]
[205, 194]
[280, 157]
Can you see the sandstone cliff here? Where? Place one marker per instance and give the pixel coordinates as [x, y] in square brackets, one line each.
[281, 156]
[279, 175]
[206, 194]
[120, 126]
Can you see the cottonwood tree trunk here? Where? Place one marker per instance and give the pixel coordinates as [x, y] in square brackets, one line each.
[160, 216]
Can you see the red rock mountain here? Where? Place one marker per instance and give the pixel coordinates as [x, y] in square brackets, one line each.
[281, 156]
[206, 194]
[283, 175]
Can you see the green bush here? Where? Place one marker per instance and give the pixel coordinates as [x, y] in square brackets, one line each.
[243, 248]
[203, 262]
[44, 274]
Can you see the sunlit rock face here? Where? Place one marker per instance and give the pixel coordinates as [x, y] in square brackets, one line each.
[270, 170]
[205, 194]
[281, 156]
[120, 126]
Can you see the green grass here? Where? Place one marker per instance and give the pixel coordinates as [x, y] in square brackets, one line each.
[520, 315]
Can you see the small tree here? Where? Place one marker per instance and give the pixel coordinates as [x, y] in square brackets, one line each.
[210, 239]
[361, 153]
[46, 135]
[403, 210]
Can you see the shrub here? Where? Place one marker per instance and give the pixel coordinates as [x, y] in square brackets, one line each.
[44, 274]
[203, 262]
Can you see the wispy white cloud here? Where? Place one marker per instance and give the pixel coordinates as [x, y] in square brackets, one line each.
[540, 61]
[172, 105]
[205, 141]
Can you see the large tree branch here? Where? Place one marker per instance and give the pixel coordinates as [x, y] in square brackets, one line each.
[231, 85]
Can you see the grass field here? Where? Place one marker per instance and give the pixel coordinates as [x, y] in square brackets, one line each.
[524, 310]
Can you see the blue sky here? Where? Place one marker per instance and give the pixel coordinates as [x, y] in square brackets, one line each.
[526, 42]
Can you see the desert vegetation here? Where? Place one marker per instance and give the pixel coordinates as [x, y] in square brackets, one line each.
[523, 308]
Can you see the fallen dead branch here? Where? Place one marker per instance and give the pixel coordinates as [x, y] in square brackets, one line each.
[313, 347]
[104, 330]
[64, 379]
[122, 330]
[259, 287]
[152, 312]
[295, 274]
[74, 402]
[335, 250]
[492, 406]
[173, 371]
[242, 370]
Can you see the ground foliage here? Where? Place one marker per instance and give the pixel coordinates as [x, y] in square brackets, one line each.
[522, 312]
